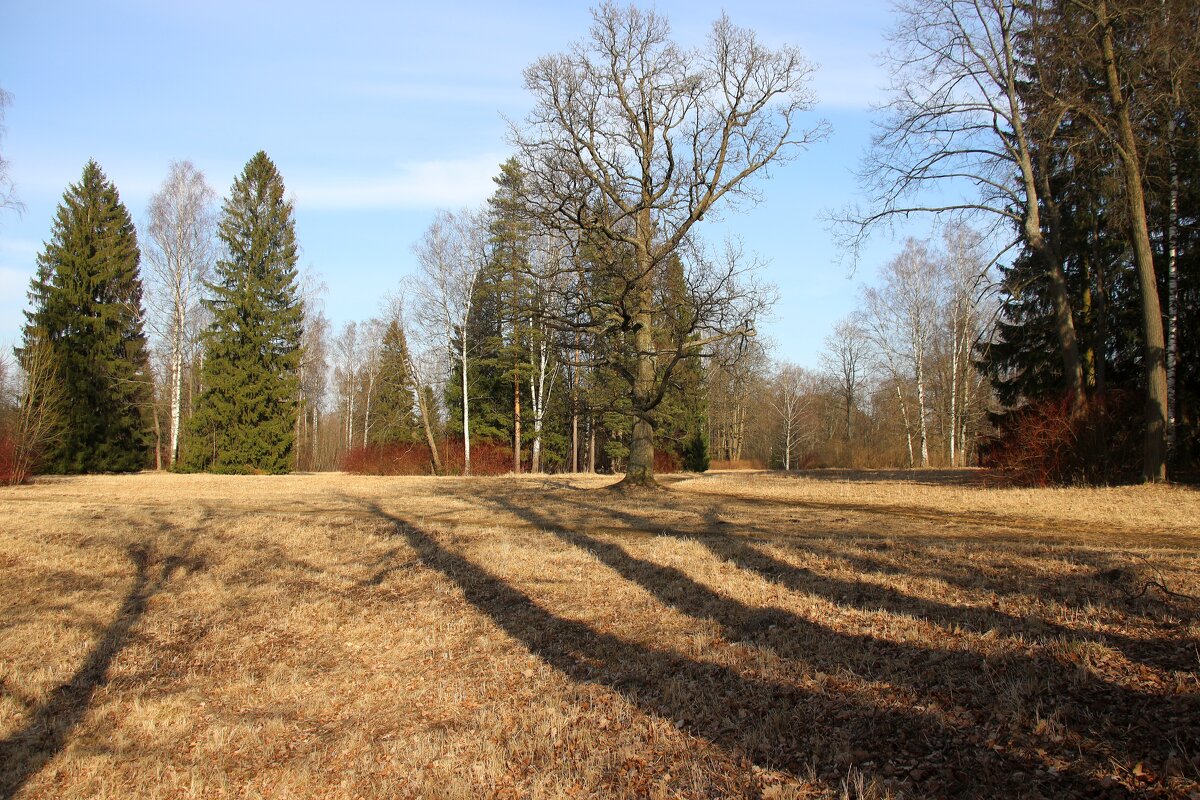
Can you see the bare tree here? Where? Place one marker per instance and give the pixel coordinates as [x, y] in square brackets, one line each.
[181, 222]
[425, 360]
[960, 139]
[793, 394]
[8, 194]
[38, 409]
[313, 373]
[961, 277]
[372, 350]
[900, 316]
[346, 373]
[633, 139]
[451, 256]
[844, 359]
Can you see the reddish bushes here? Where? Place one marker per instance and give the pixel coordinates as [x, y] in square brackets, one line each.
[745, 463]
[413, 459]
[1046, 444]
[11, 472]
[666, 461]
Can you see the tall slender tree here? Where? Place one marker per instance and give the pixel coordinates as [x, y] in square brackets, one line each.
[86, 300]
[245, 420]
[179, 253]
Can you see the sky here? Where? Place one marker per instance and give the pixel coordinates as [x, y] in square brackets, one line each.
[378, 114]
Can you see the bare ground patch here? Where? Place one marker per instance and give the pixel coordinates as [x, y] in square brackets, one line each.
[734, 635]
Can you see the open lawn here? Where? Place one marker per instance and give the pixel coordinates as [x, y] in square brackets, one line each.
[833, 634]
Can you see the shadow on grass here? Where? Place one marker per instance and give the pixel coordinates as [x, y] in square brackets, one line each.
[1163, 652]
[772, 723]
[1009, 694]
[48, 724]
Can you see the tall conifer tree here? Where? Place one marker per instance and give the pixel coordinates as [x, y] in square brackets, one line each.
[246, 416]
[86, 300]
[395, 405]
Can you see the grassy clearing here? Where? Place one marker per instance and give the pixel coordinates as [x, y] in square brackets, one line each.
[849, 634]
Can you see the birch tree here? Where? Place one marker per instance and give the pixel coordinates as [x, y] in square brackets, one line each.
[962, 276]
[180, 231]
[451, 255]
[633, 139]
[901, 320]
[793, 393]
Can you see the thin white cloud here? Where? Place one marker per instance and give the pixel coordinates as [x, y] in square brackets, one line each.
[417, 185]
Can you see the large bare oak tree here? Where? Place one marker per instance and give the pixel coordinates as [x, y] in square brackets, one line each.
[633, 139]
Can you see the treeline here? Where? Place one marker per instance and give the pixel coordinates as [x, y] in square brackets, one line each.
[1073, 125]
[579, 322]
[896, 386]
[216, 386]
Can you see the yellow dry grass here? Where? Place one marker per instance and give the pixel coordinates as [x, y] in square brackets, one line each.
[831, 635]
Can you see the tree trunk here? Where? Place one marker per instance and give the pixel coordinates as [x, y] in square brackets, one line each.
[640, 469]
[367, 408]
[907, 426]
[466, 414]
[176, 399]
[1154, 465]
[575, 408]
[591, 445]
[1172, 287]
[517, 410]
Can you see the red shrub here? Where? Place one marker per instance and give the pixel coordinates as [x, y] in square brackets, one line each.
[666, 461]
[413, 459]
[745, 463]
[388, 459]
[1046, 444]
[10, 474]
[486, 458]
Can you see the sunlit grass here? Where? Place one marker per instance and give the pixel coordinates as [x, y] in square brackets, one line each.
[822, 636]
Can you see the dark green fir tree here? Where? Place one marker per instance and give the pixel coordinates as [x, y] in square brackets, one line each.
[395, 403]
[86, 310]
[246, 415]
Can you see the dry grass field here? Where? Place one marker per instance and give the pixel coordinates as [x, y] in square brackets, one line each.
[735, 635]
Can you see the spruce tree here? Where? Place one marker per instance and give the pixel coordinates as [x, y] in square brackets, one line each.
[246, 415]
[395, 404]
[86, 300]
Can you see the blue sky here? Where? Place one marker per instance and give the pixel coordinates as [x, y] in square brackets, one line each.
[379, 113]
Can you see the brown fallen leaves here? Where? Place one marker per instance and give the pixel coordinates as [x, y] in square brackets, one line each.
[842, 635]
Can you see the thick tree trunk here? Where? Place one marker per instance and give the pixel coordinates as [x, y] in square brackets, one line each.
[640, 469]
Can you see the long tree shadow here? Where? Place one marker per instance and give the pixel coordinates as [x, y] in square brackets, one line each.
[50, 722]
[773, 723]
[950, 676]
[1163, 652]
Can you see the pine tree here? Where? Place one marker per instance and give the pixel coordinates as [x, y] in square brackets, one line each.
[246, 415]
[86, 300]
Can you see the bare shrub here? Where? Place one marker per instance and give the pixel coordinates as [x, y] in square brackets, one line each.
[1048, 444]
